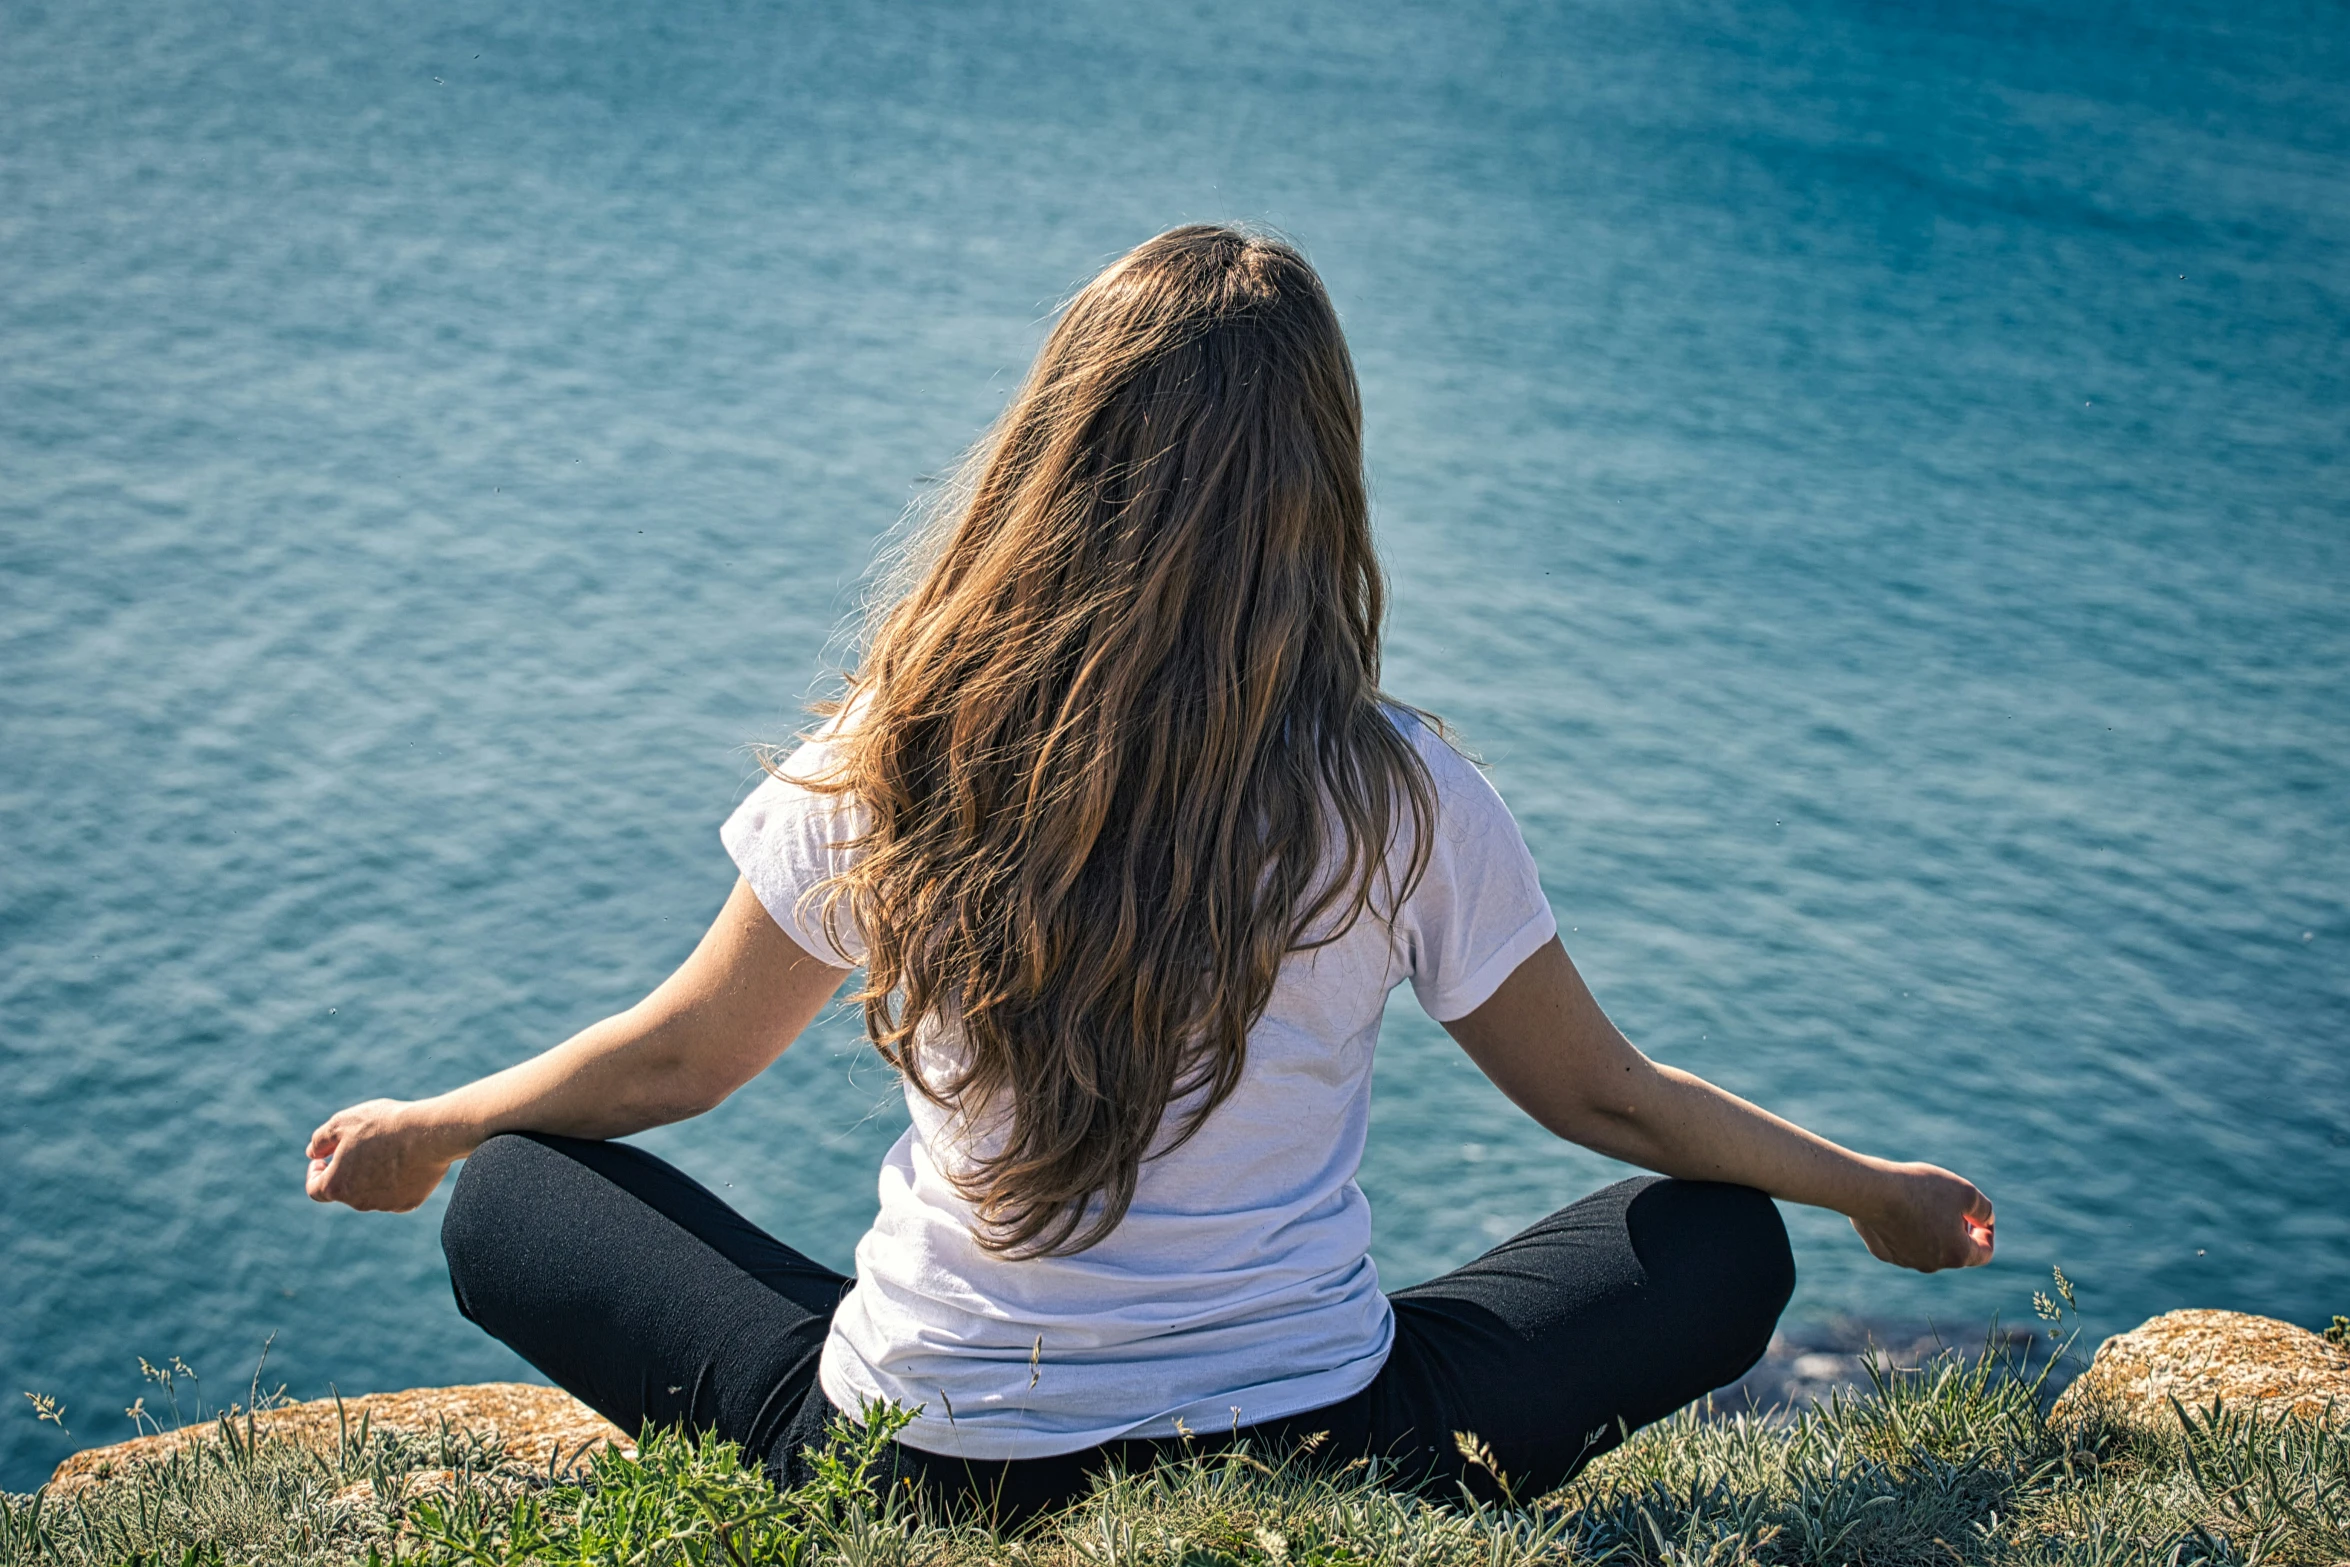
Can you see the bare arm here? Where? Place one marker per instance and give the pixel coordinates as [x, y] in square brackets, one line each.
[1545, 1043]
[719, 1021]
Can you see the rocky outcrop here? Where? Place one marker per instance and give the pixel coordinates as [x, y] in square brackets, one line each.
[2198, 1356]
[538, 1427]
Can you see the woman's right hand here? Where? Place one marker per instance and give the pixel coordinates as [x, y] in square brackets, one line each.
[1921, 1216]
[382, 1156]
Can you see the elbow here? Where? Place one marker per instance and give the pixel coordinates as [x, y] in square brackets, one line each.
[662, 1093]
[701, 1084]
[690, 1068]
[1611, 1127]
[696, 1093]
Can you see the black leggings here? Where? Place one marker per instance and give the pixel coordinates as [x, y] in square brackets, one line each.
[638, 1290]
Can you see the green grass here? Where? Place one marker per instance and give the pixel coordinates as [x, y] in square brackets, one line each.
[1951, 1463]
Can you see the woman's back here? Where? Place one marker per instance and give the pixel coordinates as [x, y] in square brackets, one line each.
[1236, 1288]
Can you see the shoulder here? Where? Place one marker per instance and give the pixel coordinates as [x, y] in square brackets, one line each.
[1450, 769]
[812, 763]
[1472, 819]
[1478, 908]
[793, 833]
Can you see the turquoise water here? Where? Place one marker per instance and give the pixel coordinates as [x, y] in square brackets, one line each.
[1869, 479]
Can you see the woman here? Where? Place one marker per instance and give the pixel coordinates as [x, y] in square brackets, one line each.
[1131, 848]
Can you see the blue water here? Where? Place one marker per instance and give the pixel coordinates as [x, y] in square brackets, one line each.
[1868, 478]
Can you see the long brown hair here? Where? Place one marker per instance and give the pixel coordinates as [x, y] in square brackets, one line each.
[1122, 741]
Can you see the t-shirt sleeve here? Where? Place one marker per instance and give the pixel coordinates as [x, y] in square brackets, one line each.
[786, 839]
[1478, 911]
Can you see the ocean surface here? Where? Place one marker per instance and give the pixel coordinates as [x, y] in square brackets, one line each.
[1869, 479]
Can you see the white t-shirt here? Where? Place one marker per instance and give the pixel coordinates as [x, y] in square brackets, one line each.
[1238, 1287]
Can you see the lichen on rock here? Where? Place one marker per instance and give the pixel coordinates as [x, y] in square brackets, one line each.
[537, 1427]
[2198, 1357]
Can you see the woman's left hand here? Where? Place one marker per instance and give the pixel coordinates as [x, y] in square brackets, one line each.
[1926, 1218]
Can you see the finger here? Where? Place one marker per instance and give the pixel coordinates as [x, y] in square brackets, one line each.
[1980, 1207]
[314, 1185]
[322, 1142]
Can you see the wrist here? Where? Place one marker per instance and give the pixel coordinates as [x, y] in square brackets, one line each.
[439, 1127]
[1882, 1190]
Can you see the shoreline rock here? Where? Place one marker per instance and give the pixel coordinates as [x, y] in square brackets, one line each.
[540, 1427]
[2199, 1356]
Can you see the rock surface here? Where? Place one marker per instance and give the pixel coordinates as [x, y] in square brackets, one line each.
[538, 1425]
[2198, 1356]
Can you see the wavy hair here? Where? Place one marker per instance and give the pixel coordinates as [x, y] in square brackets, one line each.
[1121, 740]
